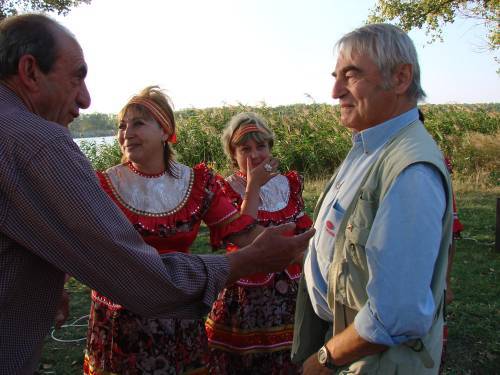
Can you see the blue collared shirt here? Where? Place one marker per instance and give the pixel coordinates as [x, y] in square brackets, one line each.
[401, 249]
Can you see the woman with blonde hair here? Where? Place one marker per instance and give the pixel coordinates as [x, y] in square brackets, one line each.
[250, 327]
[166, 201]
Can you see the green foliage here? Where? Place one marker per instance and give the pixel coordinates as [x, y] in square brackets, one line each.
[101, 155]
[470, 136]
[310, 139]
[11, 7]
[434, 14]
[198, 134]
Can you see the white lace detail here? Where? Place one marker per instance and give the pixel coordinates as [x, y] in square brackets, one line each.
[155, 195]
[274, 195]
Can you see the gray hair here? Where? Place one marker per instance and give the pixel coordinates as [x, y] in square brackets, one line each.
[239, 121]
[28, 34]
[388, 46]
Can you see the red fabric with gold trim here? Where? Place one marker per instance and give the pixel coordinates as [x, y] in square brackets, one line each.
[257, 340]
[292, 212]
[177, 231]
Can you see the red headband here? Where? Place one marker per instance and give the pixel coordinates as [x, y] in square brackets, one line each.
[242, 131]
[158, 114]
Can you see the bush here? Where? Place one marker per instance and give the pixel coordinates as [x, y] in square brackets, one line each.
[101, 155]
[310, 139]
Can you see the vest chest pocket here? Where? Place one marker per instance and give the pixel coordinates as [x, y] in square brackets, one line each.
[353, 275]
[364, 212]
[357, 232]
[354, 271]
[348, 277]
[354, 249]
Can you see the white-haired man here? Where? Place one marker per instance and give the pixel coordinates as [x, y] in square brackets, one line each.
[372, 293]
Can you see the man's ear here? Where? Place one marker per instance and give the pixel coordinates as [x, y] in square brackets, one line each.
[402, 77]
[29, 72]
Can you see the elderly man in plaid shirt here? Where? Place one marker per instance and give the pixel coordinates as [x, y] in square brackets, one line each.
[55, 219]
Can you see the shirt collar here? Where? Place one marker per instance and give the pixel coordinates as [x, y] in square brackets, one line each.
[9, 96]
[376, 136]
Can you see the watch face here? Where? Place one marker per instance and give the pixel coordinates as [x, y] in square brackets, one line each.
[322, 356]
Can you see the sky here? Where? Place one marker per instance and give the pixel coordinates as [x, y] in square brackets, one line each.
[277, 52]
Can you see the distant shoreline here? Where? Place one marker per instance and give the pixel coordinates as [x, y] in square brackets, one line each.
[99, 125]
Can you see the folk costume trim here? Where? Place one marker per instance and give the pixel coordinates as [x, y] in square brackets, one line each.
[274, 195]
[249, 341]
[150, 195]
[205, 189]
[285, 188]
[288, 186]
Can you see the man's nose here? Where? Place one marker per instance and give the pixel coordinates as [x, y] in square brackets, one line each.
[83, 98]
[338, 89]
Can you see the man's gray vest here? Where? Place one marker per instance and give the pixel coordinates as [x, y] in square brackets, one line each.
[348, 273]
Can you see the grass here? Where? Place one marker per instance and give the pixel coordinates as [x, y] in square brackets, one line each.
[67, 357]
[473, 318]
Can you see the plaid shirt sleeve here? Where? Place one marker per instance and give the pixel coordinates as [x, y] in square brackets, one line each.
[61, 214]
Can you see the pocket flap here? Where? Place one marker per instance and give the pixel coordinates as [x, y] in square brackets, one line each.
[356, 235]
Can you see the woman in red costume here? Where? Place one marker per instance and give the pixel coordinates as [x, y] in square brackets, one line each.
[250, 327]
[166, 201]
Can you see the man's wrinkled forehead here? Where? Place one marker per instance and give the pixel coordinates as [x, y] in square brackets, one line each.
[348, 59]
[69, 51]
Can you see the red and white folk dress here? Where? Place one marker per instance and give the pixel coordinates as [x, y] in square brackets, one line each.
[250, 327]
[167, 211]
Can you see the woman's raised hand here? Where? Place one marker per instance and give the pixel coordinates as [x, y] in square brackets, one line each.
[262, 173]
[256, 177]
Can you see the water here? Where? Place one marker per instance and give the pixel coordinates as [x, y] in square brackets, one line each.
[97, 140]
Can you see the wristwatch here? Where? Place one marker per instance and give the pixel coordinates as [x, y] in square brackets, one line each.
[324, 358]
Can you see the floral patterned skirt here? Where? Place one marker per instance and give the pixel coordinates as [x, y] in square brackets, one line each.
[121, 342]
[250, 329]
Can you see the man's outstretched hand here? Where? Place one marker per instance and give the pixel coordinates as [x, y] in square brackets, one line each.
[271, 251]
